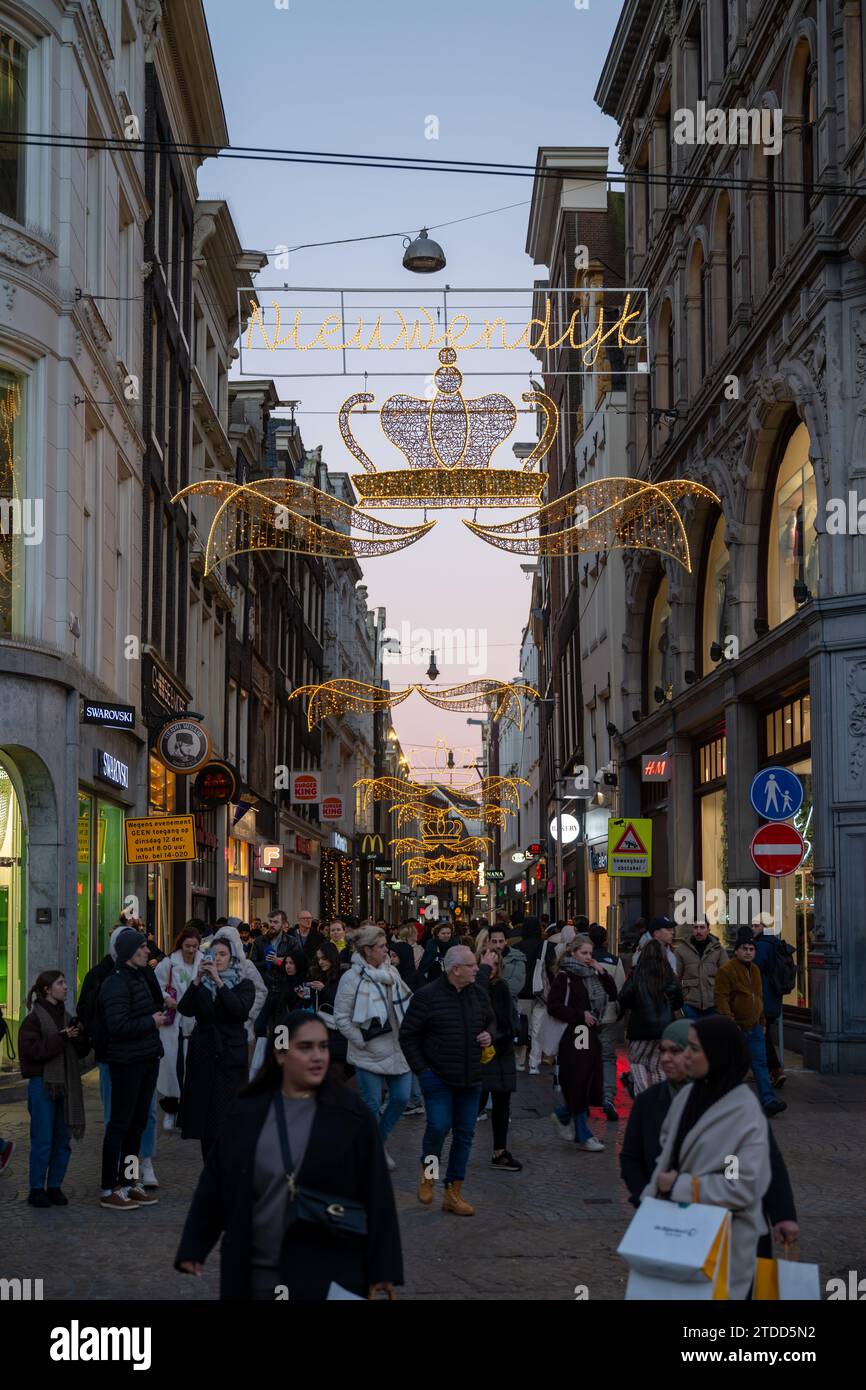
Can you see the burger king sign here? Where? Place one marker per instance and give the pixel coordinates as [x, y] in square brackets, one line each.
[332, 808]
[306, 787]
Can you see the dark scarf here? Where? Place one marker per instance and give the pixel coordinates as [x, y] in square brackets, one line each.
[700, 946]
[729, 1059]
[61, 1076]
[598, 1000]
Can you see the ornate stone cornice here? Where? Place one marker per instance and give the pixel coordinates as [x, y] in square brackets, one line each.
[30, 248]
[150, 18]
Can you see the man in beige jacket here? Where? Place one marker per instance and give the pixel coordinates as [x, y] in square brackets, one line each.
[700, 956]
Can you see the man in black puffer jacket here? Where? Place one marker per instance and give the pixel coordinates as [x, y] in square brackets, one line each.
[447, 1025]
[130, 1026]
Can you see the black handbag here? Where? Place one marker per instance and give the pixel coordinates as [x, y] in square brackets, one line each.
[340, 1215]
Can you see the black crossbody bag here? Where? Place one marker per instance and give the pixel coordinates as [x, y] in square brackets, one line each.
[340, 1215]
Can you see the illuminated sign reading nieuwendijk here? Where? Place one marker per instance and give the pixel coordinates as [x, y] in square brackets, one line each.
[588, 321]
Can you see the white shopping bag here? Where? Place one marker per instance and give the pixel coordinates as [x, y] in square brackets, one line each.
[786, 1281]
[645, 1287]
[683, 1244]
[337, 1294]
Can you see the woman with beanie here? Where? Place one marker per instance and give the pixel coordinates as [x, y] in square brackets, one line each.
[439, 944]
[370, 1006]
[174, 974]
[51, 1050]
[653, 996]
[293, 1120]
[219, 1000]
[578, 998]
[642, 1141]
[714, 1127]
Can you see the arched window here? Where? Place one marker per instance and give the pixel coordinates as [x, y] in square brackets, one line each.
[722, 276]
[697, 318]
[792, 543]
[659, 656]
[807, 142]
[715, 615]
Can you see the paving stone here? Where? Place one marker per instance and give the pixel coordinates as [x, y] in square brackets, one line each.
[537, 1235]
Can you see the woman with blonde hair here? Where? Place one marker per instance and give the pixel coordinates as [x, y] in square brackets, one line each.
[410, 936]
[369, 1007]
[578, 998]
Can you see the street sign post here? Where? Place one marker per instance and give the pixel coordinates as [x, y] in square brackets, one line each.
[630, 847]
[777, 849]
[776, 793]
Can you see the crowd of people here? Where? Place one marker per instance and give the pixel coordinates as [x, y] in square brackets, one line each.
[291, 1053]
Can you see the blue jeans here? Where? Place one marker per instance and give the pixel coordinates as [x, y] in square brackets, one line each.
[582, 1131]
[148, 1138]
[370, 1090]
[453, 1108]
[416, 1096]
[49, 1137]
[691, 1012]
[758, 1048]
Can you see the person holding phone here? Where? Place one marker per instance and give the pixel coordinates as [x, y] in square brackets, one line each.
[579, 996]
[52, 1046]
[219, 1000]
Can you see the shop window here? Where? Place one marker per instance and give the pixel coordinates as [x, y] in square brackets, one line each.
[12, 868]
[163, 785]
[84, 884]
[660, 656]
[13, 119]
[16, 518]
[793, 542]
[715, 619]
[788, 727]
[109, 872]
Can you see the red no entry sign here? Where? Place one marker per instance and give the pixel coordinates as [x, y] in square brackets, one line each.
[777, 849]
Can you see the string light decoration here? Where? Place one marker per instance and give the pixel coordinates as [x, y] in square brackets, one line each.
[282, 514]
[606, 514]
[497, 790]
[335, 697]
[448, 443]
[443, 875]
[444, 862]
[337, 884]
[470, 844]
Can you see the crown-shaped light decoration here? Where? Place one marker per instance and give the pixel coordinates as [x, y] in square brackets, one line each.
[448, 443]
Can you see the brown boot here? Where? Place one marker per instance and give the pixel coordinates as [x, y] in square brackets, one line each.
[453, 1202]
[425, 1189]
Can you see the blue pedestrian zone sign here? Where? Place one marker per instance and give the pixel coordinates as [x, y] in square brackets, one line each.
[776, 793]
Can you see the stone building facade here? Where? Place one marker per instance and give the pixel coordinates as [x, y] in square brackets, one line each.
[754, 260]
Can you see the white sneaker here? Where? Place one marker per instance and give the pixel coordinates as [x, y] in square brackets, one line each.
[390, 1162]
[481, 1116]
[168, 1121]
[592, 1146]
[148, 1176]
[535, 1071]
[563, 1130]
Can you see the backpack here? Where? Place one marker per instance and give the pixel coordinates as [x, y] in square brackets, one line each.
[783, 970]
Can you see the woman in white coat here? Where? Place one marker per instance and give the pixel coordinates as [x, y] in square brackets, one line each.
[369, 1007]
[715, 1144]
[175, 973]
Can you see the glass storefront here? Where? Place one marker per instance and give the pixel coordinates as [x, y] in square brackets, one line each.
[714, 618]
[660, 656]
[712, 802]
[99, 883]
[787, 733]
[13, 987]
[239, 879]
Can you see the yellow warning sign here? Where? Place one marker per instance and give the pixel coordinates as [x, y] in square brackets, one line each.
[630, 848]
[154, 839]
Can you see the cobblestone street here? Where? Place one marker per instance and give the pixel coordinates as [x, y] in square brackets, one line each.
[536, 1235]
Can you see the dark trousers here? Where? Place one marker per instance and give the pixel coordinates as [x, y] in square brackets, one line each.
[499, 1115]
[772, 1055]
[132, 1088]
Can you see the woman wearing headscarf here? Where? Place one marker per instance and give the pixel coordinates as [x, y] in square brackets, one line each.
[51, 1051]
[715, 1142]
[578, 997]
[248, 971]
[652, 995]
[174, 974]
[219, 1000]
[292, 1121]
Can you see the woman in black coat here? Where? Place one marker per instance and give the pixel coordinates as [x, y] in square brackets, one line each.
[500, 1072]
[653, 997]
[324, 982]
[268, 1253]
[578, 997]
[216, 1063]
